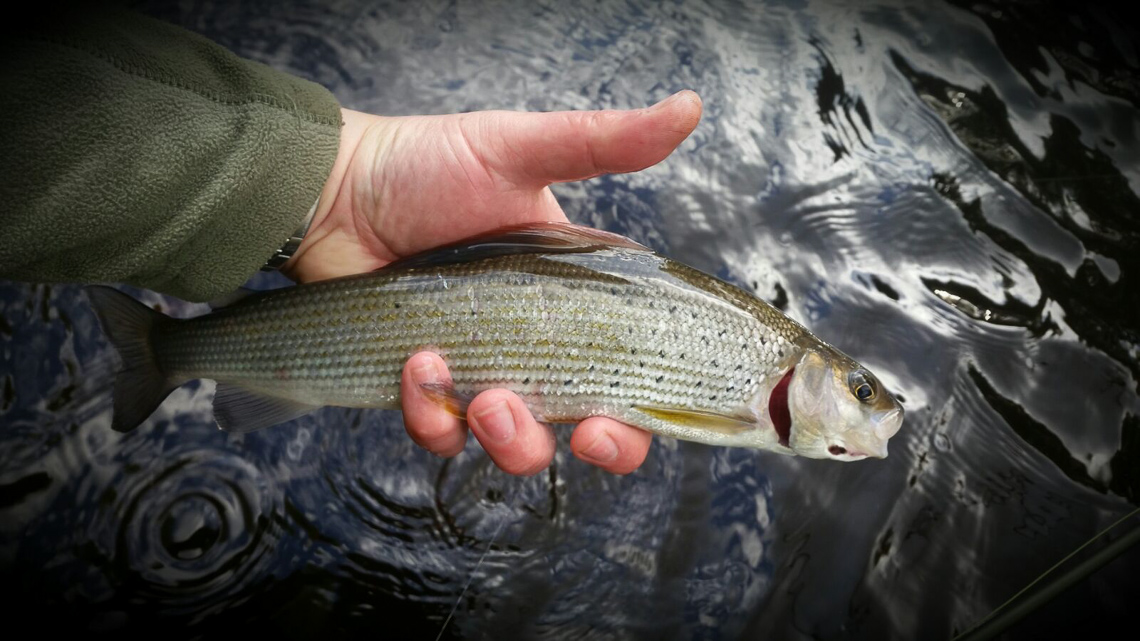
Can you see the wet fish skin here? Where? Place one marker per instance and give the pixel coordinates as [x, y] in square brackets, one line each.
[577, 322]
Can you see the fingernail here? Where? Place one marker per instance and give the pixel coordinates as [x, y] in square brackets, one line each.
[425, 371]
[497, 422]
[669, 100]
[602, 450]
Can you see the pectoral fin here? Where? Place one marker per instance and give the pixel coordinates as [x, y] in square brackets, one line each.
[446, 396]
[712, 421]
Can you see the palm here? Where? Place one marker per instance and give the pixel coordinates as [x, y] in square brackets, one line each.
[414, 183]
[467, 190]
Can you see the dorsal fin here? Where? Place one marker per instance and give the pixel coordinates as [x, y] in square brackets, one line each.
[528, 238]
[225, 300]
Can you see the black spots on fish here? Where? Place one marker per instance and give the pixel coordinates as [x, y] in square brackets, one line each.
[614, 291]
[694, 313]
[633, 350]
[713, 397]
[641, 364]
[568, 381]
[396, 305]
[715, 363]
[660, 378]
[593, 367]
[721, 333]
[526, 381]
[740, 367]
[661, 353]
[705, 339]
[699, 383]
[615, 383]
[617, 371]
[672, 309]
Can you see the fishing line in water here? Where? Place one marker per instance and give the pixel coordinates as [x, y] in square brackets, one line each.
[509, 503]
[993, 624]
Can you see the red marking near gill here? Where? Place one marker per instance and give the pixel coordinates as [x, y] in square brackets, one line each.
[282, 374]
[778, 408]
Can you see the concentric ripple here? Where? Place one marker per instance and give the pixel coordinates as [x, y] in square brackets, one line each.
[194, 534]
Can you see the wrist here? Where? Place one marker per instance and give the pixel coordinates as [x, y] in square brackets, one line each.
[333, 197]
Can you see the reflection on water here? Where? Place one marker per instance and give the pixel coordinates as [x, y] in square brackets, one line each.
[946, 191]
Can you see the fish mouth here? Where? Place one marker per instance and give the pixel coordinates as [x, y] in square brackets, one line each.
[778, 408]
[887, 422]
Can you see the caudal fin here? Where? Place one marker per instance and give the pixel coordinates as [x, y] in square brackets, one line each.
[141, 385]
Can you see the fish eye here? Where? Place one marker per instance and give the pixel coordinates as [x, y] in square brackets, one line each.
[861, 386]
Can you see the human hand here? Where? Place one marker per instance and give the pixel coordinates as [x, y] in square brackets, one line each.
[406, 184]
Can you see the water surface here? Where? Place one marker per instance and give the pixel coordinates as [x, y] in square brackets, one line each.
[946, 191]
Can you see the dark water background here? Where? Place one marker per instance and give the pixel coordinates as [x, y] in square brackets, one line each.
[947, 191]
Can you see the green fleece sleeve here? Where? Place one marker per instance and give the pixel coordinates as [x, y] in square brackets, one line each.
[134, 151]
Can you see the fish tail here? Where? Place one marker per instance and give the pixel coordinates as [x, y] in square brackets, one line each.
[141, 385]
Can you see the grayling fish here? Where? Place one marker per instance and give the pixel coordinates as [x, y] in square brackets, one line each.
[577, 321]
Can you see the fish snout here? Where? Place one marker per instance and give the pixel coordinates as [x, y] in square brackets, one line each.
[886, 423]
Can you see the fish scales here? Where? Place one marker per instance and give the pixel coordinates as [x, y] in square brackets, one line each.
[531, 323]
[578, 322]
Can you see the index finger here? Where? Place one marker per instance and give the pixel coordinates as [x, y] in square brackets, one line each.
[432, 427]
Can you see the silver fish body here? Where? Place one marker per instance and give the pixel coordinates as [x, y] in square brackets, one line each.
[579, 323]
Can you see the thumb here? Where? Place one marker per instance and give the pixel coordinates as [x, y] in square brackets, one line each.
[538, 149]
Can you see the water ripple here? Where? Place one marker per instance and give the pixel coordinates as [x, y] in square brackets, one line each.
[947, 191]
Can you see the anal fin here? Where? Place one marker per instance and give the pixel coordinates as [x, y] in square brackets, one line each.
[240, 410]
